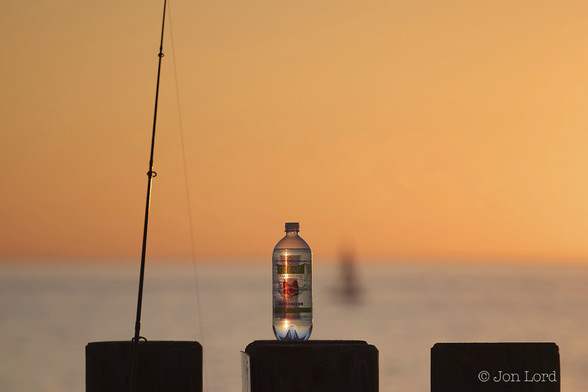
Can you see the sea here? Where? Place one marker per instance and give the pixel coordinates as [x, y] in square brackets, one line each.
[48, 314]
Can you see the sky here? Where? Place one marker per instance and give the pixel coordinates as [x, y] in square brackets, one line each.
[406, 130]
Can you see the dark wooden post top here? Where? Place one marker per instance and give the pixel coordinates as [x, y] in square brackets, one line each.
[311, 366]
[495, 367]
[163, 366]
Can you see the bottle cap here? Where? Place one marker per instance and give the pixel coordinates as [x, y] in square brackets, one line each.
[292, 226]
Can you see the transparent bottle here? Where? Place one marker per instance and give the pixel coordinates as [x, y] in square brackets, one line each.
[292, 286]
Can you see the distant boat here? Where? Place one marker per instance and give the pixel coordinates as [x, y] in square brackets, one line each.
[348, 288]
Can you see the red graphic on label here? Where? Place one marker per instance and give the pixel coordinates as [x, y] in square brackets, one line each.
[290, 288]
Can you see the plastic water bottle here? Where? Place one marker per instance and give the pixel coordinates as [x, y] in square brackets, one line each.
[292, 286]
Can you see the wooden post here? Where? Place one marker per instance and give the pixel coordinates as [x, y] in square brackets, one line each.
[311, 366]
[163, 366]
[495, 367]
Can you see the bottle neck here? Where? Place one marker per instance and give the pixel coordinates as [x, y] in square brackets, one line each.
[292, 233]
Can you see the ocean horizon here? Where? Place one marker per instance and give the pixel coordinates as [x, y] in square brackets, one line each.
[50, 312]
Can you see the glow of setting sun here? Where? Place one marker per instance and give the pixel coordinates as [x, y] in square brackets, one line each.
[407, 130]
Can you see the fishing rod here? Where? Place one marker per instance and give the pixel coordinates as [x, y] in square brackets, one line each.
[150, 175]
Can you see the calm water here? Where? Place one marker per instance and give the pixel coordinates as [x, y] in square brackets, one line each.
[49, 314]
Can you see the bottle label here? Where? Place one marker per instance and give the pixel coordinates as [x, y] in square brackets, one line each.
[292, 287]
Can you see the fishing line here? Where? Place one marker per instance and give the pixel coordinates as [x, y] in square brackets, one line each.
[188, 198]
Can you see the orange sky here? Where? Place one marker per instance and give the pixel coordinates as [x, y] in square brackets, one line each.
[416, 130]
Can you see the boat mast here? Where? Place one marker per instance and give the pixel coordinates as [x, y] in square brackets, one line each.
[150, 175]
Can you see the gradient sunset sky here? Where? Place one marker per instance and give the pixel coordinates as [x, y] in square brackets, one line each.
[410, 129]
